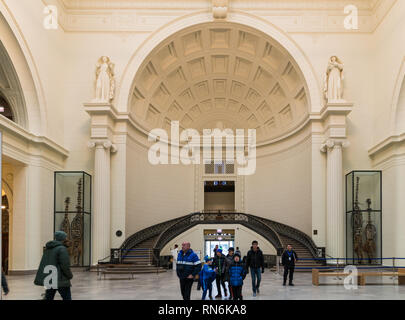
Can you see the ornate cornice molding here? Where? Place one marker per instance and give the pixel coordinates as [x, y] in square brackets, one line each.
[146, 16]
[29, 145]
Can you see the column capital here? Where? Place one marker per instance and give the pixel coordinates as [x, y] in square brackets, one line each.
[334, 143]
[106, 144]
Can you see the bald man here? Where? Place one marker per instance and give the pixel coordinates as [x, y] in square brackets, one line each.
[188, 267]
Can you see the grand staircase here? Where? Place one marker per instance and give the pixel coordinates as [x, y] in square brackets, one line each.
[305, 262]
[140, 253]
[140, 257]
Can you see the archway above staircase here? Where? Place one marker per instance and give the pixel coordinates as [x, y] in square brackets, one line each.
[144, 246]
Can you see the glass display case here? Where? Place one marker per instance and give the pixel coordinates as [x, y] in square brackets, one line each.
[363, 217]
[72, 214]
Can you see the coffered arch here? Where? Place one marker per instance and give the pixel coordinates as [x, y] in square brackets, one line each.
[274, 68]
[220, 71]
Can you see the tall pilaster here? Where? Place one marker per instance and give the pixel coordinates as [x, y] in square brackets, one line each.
[335, 235]
[102, 204]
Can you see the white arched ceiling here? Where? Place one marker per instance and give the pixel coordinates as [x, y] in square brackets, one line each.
[220, 72]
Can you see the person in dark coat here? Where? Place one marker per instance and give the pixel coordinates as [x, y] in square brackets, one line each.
[55, 256]
[288, 259]
[255, 261]
[215, 250]
[236, 275]
[228, 261]
[220, 265]
[4, 284]
[188, 267]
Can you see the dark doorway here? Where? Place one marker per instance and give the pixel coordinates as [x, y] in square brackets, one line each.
[219, 195]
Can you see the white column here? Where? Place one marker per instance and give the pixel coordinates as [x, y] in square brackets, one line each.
[335, 231]
[101, 218]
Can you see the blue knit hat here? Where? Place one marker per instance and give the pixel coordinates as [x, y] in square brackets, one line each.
[219, 250]
[60, 236]
[207, 258]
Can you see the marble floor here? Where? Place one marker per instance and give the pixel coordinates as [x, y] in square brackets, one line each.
[165, 286]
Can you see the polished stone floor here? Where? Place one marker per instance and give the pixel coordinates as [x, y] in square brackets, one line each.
[165, 286]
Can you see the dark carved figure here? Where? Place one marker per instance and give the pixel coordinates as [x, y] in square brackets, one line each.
[77, 227]
[370, 233]
[357, 221]
[65, 226]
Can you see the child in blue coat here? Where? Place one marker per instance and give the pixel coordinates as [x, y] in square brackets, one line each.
[236, 275]
[207, 276]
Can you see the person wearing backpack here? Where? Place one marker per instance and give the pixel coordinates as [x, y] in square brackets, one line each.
[56, 256]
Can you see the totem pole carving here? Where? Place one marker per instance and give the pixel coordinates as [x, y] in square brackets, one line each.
[65, 226]
[77, 228]
[370, 233]
[357, 225]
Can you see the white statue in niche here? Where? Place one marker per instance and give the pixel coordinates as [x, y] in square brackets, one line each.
[334, 80]
[105, 83]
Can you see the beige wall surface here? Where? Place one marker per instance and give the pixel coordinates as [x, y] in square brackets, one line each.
[155, 193]
[219, 200]
[281, 188]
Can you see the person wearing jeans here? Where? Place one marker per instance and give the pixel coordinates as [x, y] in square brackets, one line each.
[255, 261]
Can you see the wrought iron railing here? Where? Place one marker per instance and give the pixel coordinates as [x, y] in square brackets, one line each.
[292, 233]
[168, 230]
[196, 218]
[145, 234]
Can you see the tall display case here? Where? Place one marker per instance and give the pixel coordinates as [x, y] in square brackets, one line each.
[363, 217]
[72, 214]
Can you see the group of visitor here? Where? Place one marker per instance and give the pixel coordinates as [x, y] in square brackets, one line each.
[228, 271]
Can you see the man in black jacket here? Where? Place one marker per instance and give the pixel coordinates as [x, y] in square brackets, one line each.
[255, 261]
[228, 261]
[288, 260]
[220, 264]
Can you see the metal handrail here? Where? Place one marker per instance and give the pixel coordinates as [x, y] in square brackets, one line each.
[167, 230]
[187, 222]
[295, 234]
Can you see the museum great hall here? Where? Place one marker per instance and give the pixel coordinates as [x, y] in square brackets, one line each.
[100, 102]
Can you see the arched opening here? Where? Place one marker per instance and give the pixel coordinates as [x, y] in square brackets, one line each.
[242, 77]
[221, 72]
[12, 102]
[5, 109]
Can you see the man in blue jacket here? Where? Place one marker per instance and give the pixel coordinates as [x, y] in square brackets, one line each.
[188, 267]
